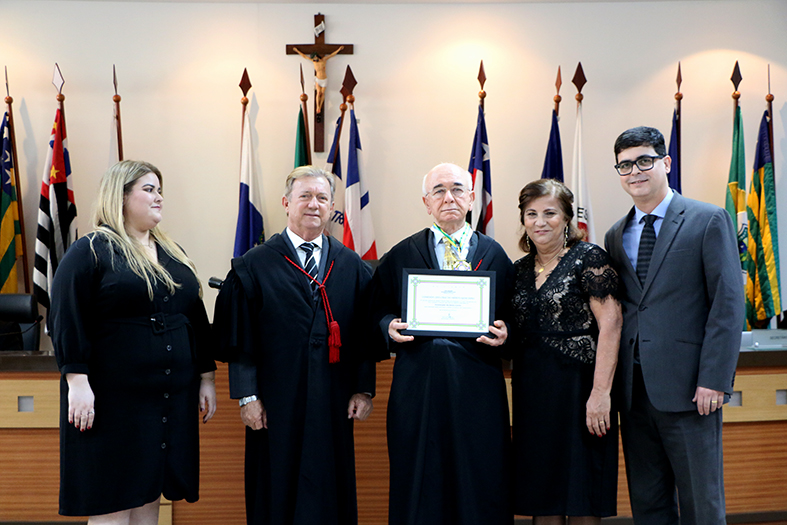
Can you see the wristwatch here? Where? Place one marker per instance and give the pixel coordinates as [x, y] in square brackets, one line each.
[246, 400]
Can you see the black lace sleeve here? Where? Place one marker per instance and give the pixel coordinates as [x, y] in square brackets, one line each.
[599, 279]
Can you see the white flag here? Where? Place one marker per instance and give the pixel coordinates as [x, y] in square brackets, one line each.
[579, 184]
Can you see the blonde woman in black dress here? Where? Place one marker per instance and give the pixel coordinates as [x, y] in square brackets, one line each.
[132, 341]
[566, 333]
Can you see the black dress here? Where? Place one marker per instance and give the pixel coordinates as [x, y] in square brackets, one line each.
[561, 468]
[143, 359]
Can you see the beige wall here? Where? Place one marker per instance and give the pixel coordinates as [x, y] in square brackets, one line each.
[179, 65]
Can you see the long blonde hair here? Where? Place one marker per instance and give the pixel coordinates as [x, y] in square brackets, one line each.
[109, 222]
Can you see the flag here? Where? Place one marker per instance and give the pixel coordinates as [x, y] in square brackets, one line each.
[250, 231]
[553, 163]
[763, 297]
[57, 211]
[336, 222]
[736, 189]
[579, 183]
[301, 143]
[481, 218]
[358, 229]
[11, 242]
[674, 153]
[335, 156]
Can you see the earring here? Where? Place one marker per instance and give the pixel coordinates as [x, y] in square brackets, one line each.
[565, 237]
[529, 246]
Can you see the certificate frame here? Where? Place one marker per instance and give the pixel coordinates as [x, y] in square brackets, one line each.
[428, 295]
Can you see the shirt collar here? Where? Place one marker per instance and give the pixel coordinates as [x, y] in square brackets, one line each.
[296, 240]
[659, 211]
[458, 235]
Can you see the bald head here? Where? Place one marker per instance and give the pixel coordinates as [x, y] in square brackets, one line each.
[447, 167]
[448, 196]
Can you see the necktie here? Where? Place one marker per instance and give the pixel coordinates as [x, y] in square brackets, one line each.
[310, 265]
[646, 243]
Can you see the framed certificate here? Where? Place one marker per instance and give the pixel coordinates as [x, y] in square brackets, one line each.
[447, 303]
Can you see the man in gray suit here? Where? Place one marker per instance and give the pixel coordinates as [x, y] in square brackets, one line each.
[682, 318]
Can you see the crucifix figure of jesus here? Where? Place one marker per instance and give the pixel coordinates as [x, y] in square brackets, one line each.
[320, 76]
[319, 53]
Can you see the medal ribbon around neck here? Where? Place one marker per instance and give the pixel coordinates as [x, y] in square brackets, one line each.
[455, 247]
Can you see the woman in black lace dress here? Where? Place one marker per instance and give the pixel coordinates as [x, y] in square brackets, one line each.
[567, 324]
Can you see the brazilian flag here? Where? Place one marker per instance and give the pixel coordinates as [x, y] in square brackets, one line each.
[763, 297]
[10, 236]
[736, 190]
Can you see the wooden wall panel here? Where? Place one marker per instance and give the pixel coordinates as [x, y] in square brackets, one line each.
[45, 397]
[222, 445]
[371, 454]
[30, 466]
[755, 462]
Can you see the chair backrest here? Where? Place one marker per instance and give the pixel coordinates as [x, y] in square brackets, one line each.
[22, 308]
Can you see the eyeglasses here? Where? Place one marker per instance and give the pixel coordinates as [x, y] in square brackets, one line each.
[457, 192]
[644, 163]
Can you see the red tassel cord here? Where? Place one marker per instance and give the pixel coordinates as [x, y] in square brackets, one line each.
[334, 332]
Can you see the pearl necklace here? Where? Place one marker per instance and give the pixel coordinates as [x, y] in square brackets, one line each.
[543, 266]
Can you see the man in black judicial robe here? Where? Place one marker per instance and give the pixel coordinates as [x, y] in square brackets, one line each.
[297, 400]
[448, 419]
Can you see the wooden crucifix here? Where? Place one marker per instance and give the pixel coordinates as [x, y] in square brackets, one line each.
[318, 53]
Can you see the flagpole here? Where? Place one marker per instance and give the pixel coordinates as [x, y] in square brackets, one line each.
[482, 81]
[557, 98]
[116, 100]
[481, 97]
[678, 99]
[245, 86]
[60, 97]
[20, 209]
[736, 81]
[305, 107]
[769, 99]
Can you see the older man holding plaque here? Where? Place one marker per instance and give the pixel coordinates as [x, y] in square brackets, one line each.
[448, 422]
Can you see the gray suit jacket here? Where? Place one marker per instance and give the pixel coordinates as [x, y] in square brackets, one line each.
[688, 315]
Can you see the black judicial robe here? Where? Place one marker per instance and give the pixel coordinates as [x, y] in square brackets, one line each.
[301, 470]
[448, 419]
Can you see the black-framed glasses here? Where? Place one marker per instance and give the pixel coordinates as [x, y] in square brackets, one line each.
[644, 163]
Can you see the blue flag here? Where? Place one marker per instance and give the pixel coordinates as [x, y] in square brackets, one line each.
[335, 157]
[480, 217]
[553, 163]
[674, 153]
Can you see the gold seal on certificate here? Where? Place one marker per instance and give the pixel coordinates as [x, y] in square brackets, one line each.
[447, 303]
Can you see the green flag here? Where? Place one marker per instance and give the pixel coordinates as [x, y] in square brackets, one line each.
[763, 296]
[736, 188]
[301, 141]
[10, 236]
